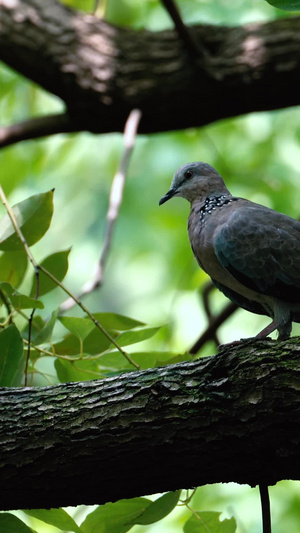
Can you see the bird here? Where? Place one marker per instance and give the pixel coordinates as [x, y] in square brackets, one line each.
[251, 252]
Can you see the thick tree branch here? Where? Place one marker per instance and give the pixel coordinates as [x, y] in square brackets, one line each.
[230, 417]
[101, 72]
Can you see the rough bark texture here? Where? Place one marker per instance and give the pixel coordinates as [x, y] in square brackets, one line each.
[102, 72]
[230, 417]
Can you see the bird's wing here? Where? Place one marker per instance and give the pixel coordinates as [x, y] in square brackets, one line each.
[261, 249]
[240, 300]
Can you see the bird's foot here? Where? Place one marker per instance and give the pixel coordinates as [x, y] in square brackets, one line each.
[244, 342]
[247, 340]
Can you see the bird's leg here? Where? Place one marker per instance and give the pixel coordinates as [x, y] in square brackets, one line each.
[284, 330]
[281, 321]
[267, 330]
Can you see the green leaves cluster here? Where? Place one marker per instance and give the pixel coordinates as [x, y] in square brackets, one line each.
[80, 349]
[120, 517]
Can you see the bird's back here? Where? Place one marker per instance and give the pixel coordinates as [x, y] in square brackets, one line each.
[247, 247]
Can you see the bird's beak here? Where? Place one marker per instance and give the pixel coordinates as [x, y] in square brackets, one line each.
[167, 196]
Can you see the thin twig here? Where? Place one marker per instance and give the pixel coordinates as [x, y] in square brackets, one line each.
[115, 201]
[35, 128]
[215, 323]
[194, 49]
[53, 354]
[265, 508]
[207, 290]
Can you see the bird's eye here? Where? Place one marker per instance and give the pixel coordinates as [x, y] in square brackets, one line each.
[189, 174]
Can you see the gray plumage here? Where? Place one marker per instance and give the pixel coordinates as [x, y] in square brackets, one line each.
[251, 252]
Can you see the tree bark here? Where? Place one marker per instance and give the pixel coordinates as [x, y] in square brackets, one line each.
[101, 72]
[234, 416]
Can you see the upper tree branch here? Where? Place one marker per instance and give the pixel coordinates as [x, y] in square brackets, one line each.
[37, 127]
[230, 417]
[101, 72]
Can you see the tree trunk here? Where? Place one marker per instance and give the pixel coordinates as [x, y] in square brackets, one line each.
[230, 417]
[101, 72]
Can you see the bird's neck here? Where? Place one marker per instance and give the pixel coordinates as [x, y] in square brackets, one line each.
[211, 202]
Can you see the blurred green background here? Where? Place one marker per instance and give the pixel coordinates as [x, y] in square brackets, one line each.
[151, 274]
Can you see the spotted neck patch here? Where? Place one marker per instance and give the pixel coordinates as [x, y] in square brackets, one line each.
[213, 202]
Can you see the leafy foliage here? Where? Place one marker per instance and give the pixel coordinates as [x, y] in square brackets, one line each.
[56, 517]
[202, 522]
[12, 524]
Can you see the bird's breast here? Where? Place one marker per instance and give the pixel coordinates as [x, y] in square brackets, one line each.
[204, 219]
[202, 230]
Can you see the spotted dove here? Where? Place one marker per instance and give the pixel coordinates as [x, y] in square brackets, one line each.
[251, 252]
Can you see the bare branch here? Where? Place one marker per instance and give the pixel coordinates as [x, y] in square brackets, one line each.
[192, 46]
[115, 200]
[117, 188]
[215, 323]
[207, 290]
[37, 127]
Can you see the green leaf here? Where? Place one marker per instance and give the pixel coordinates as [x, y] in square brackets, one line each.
[33, 217]
[114, 360]
[9, 523]
[132, 337]
[159, 508]
[55, 517]
[285, 5]
[45, 333]
[96, 342]
[117, 322]
[78, 370]
[115, 517]
[70, 345]
[57, 264]
[80, 327]
[209, 522]
[18, 300]
[12, 359]
[13, 266]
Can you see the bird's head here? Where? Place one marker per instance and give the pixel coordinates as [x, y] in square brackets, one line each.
[195, 181]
